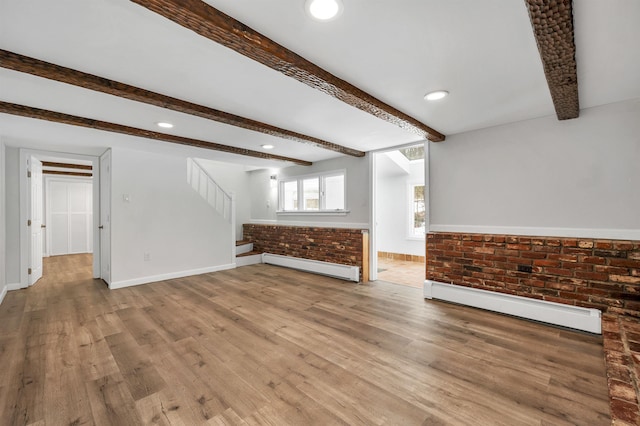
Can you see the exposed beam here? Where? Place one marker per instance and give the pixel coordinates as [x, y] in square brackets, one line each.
[209, 22]
[552, 22]
[58, 117]
[26, 64]
[66, 165]
[60, 172]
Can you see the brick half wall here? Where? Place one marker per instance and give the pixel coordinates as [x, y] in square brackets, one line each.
[593, 273]
[335, 245]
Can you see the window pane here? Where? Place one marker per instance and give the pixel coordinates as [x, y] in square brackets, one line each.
[334, 192]
[290, 195]
[311, 190]
[419, 213]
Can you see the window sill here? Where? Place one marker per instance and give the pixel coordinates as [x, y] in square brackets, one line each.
[312, 212]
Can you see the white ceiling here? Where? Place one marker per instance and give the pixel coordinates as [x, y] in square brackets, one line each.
[484, 53]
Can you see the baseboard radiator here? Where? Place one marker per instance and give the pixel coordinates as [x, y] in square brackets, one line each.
[575, 317]
[345, 272]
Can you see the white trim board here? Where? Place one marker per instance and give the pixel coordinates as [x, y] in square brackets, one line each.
[172, 275]
[336, 270]
[16, 286]
[3, 293]
[608, 234]
[539, 310]
[308, 224]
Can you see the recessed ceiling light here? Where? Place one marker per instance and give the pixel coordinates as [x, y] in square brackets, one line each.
[434, 96]
[165, 125]
[324, 10]
[267, 146]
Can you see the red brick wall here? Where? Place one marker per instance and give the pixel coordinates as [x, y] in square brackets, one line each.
[593, 273]
[336, 245]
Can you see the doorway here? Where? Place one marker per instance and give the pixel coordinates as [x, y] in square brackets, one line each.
[64, 197]
[399, 215]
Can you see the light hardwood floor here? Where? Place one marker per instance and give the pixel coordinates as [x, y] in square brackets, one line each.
[265, 345]
[401, 272]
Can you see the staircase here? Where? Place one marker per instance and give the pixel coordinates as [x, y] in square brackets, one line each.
[209, 190]
[245, 255]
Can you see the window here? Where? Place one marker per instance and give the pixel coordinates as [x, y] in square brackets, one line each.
[290, 195]
[321, 193]
[418, 211]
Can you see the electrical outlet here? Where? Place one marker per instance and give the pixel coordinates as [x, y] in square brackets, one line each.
[147, 257]
[525, 268]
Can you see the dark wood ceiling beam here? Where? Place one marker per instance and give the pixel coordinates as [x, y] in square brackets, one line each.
[58, 117]
[66, 165]
[209, 22]
[63, 173]
[25, 64]
[552, 22]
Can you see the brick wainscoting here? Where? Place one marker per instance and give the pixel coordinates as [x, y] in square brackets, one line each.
[593, 273]
[622, 358]
[336, 245]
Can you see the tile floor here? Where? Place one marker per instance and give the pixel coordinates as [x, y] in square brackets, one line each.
[401, 272]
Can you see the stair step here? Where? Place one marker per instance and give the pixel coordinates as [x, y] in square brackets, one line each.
[251, 253]
[242, 242]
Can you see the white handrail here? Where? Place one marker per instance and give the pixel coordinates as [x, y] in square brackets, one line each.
[202, 182]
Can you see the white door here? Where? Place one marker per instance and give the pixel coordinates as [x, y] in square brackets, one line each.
[69, 216]
[105, 217]
[36, 225]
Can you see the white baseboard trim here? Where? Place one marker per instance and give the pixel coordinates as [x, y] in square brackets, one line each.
[539, 310]
[308, 224]
[336, 270]
[181, 274]
[248, 260]
[3, 293]
[245, 248]
[609, 234]
[15, 286]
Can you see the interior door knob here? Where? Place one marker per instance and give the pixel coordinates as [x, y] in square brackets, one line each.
[43, 226]
[100, 227]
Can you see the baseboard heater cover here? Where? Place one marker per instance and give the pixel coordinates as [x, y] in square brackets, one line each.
[336, 270]
[576, 317]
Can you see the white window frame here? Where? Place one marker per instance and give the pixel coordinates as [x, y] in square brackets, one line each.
[410, 203]
[322, 189]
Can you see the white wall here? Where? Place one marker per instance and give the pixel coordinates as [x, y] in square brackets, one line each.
[264, 193]
[232, 178]
[12, 209]
[164, 217]
[576, 177]
[3, 279]
[393, 217]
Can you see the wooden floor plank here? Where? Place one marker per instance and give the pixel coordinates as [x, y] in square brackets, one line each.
[263, 345]
[135, 366]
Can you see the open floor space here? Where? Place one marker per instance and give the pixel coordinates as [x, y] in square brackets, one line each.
[268, 345]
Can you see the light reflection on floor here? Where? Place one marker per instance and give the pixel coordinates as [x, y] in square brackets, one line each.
[401, 272]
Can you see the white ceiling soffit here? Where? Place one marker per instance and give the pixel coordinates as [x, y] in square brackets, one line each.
[483, 53]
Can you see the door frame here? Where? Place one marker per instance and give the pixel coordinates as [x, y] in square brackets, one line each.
[373, 234]
[25, 201]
